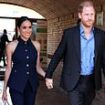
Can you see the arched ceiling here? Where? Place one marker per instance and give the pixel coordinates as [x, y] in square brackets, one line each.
[49, 8]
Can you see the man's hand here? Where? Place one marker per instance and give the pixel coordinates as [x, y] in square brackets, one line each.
[49, 83]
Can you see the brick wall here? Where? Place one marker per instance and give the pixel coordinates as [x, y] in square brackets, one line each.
[55, 31]
[41, 36]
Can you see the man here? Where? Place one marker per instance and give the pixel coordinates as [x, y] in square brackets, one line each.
[83, 51]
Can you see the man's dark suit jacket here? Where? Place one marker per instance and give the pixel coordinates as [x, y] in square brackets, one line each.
[69, 50]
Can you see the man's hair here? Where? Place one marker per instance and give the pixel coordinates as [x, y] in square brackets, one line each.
[85, 4]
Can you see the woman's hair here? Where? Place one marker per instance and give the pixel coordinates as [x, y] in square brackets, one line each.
[21, 20]
[85, 4]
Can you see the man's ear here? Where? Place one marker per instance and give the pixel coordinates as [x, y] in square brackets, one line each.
[79, 15]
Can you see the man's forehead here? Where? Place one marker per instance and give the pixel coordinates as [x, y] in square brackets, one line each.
[88, 8]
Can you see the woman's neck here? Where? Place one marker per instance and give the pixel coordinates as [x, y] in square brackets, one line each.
[25, 39]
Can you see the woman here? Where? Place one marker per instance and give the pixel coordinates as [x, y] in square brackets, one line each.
[23, 64]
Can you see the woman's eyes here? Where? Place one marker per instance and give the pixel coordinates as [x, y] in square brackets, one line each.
[27, 27]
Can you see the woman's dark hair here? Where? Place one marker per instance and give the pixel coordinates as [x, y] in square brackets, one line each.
[21, 20]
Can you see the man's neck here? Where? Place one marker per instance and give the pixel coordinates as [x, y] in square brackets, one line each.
[87, 31]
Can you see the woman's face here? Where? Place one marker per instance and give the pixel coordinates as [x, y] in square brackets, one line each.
[25, 30]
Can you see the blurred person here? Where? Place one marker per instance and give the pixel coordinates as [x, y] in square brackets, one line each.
[22, 76]
[83, 51]
[4, 39]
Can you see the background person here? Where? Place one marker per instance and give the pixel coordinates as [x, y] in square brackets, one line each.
[3, 40]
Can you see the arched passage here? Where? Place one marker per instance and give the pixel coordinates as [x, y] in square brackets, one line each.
[60, 15]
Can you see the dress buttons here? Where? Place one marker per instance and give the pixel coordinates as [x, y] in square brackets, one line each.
[15, 71]
[27, 57]
[27, 65]
[25, 43]
[26, 50]
[27, 73]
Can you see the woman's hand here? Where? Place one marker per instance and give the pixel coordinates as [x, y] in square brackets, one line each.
[4, 96]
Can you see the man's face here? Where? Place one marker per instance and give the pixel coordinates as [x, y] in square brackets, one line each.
[87, 16]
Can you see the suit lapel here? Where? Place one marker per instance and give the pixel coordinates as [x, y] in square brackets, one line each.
[97, 41]
[76, 40]
[77, 44]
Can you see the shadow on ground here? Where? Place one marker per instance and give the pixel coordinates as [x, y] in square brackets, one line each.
[57, 96]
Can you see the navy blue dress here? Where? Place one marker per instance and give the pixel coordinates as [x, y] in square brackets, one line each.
[24, 67]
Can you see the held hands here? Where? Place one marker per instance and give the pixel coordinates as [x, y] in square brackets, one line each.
[49, 83]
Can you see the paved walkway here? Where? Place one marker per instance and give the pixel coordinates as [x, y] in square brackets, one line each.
[57, 96]
[54, 96]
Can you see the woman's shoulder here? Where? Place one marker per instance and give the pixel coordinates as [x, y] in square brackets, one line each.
[12, 45]
[36, 44]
